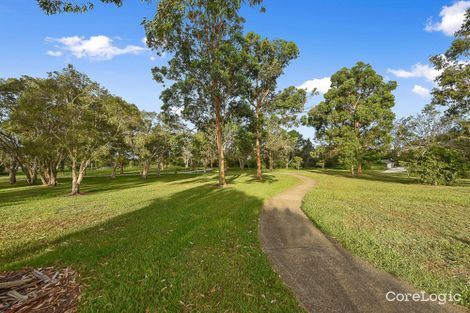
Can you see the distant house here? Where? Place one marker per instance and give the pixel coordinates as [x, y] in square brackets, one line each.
[391, 168]
[389, 163]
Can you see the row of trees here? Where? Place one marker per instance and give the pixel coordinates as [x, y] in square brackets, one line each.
[225, 84]
[69, 120]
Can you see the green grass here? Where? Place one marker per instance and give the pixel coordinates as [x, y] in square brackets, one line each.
[416, 232]
[168, 244]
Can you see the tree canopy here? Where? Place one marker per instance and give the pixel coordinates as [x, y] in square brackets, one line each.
[204, 39]
[453, 83]
[356, 116]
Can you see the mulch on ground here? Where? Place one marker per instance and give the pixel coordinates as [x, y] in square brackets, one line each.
[39, 290]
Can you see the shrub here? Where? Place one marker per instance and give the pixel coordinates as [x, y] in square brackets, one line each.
[435, 164]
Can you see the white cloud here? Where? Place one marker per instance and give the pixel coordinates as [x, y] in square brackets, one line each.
[452, 18]
[421, 91]
[320, 84]
[153, 58]
[417, 70]
[96, 47]
[54, 53]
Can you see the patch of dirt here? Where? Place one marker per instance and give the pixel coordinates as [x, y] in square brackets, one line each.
[39, 291]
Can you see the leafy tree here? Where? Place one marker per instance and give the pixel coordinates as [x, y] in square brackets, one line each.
[280, 144]
[66, 6]
[11, 91]
[238, 143]
[265, 62]
[435, 164]
[204, 150]
[10, 164]
[303, 149]
[321, 153]
[243, 145]
[152, 142]
[83, 125]
[297, 162]
[356, 116]
[420, 130]
[124, 120]
[432, 148]
[35, 120]
[453, 83]
[184, 146]
[204, 39]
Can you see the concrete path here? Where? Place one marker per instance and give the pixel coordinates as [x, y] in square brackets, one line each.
[325, 277]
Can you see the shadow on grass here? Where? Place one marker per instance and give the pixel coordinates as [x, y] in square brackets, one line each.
[374, 175]
[90, 185]
[267, 178]
[371, 175]
[199, 241]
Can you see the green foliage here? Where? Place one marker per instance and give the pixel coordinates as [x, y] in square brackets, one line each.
[356, 117]
[297, 162]
[432, 147]
[65, 117]
[453, 90]
[239, 142]
[435, 164]
[204, 150]
[264, 63]
[280, 144]
[65, 6]
[204, 39]
[152, 141]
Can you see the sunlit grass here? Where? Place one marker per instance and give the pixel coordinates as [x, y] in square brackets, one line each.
[174, 243]
[417, 232]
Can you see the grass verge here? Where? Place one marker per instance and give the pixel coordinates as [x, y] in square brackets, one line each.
[416, 232]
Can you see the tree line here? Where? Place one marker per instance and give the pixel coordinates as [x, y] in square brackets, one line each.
[355, 125]
[223, 81]
[69, 120]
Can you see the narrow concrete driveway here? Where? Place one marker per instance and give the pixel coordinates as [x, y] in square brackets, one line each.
[324, 276]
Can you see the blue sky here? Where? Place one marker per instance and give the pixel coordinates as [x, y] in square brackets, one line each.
[395, 36]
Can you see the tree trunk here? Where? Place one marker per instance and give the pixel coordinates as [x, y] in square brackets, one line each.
[12, 173]
[241, 161]
[30, 171]
[113, 171]
[352, 170]
[122, 167]
[220, 146]
[159, 168]
[258, 157]
[270, 159]
[359, 168]
[145, 170]
[49, 173]
[34, 177]
[78, 177]
[53, 179]
[75, 184]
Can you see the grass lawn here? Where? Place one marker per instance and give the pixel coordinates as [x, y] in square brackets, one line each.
[419, 233]
[174, 243]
